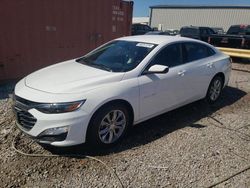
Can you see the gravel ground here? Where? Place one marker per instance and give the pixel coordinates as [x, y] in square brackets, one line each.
[194, 146]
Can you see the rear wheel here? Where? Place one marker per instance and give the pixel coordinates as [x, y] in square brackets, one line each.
[108, 125]
[214, 90]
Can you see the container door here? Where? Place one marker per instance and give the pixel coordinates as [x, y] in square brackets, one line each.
[2, 73]
[2, 64]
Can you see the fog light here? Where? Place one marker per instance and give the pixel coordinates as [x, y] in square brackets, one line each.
[54, 134]
[55, 131]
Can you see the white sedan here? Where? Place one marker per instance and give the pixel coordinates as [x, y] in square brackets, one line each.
[95, 98]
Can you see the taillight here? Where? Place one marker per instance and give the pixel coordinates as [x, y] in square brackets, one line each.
[242, 26]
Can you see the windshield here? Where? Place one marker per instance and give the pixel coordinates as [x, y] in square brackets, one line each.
[118, 56]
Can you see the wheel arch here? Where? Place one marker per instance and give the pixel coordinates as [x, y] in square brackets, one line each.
[115, 101]
[220, 74]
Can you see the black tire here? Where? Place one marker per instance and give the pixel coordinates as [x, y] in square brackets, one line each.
[209, 97]
[93, 134]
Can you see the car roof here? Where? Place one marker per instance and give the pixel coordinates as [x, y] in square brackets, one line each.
[195, 27]
[157, 39]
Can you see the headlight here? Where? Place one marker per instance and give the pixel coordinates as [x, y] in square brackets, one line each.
[56, 108]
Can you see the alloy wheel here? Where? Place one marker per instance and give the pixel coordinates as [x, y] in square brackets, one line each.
[215, 90]
[112, 126]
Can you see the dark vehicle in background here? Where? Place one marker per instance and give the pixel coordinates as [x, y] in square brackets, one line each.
[200, 33]
[218, 30]
[157, 33]
[237, 36]
[173, 32]
[140, 29]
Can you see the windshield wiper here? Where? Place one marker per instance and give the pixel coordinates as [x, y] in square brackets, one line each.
[83, 59]
[100, 66]
[87, 61]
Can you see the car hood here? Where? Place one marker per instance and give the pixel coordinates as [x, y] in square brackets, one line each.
[70, 77]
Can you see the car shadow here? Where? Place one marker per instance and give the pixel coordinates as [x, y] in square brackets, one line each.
[186, 116]
[160, 126]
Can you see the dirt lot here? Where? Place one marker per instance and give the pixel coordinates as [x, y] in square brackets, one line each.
[194, 146]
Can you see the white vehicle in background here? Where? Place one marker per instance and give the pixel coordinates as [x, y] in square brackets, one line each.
[95, 98]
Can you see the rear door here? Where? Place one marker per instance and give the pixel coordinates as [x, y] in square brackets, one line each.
[199, 68]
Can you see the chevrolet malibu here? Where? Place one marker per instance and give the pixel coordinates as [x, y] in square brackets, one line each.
[97, 97]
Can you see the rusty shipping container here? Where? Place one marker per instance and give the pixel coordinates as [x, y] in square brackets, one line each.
[38, 33]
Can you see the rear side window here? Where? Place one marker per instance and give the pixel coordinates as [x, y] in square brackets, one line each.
[210, 51]
[210, 31]
[146, 28]
[236, 30]
[140, 27]
[207, 31]
[170, 56]
[204, 31]
[195, 51]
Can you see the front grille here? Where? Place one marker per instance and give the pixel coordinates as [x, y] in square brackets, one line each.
[23, 117]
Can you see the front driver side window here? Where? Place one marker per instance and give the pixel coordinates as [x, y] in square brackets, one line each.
[169, 56]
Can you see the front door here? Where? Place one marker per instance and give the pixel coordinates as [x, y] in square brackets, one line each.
[163, 92]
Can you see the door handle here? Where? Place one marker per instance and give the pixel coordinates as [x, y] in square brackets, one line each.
[181, 73]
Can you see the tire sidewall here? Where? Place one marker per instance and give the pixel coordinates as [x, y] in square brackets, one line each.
[93, 134]
[208, 98]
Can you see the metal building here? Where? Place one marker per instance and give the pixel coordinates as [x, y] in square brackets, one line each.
[174, 17]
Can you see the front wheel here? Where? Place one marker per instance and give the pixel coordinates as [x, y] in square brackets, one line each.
[214, 90]
[108, 125]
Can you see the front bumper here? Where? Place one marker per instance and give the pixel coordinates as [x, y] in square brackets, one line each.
[63, 129]
[76, 123]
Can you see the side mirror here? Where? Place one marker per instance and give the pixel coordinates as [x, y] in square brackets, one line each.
[157, 69]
